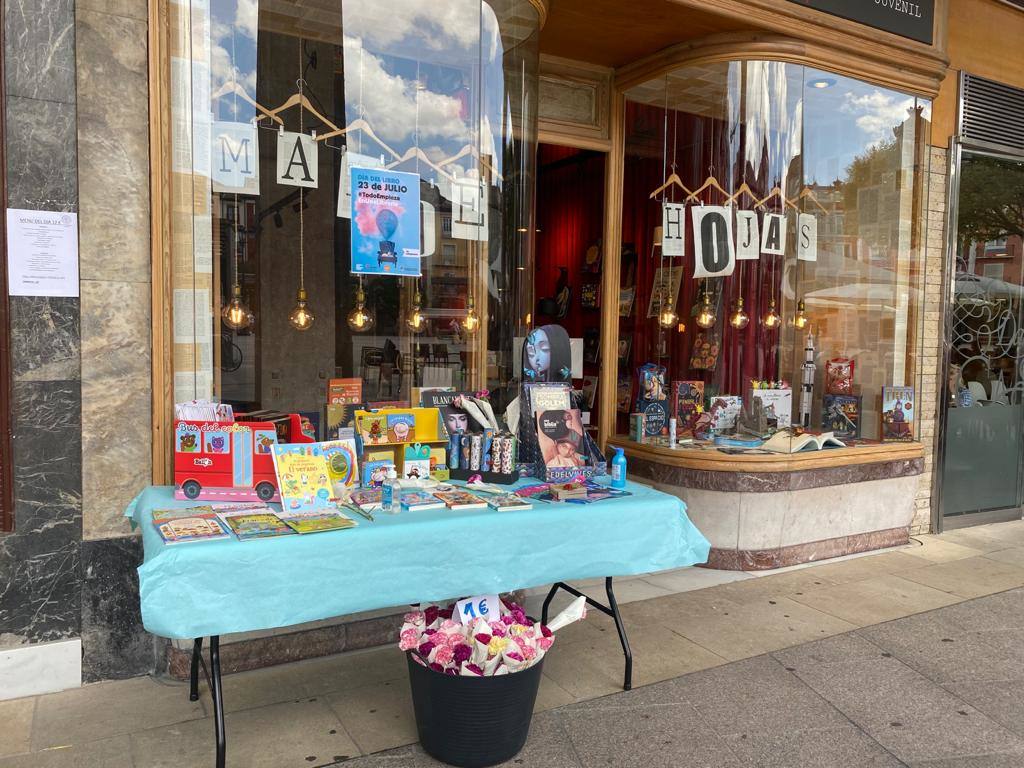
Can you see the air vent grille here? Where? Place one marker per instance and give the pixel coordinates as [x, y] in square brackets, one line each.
[992, 113]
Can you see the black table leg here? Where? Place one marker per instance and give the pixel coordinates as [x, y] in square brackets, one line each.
[612, 609]
[213, 680]
[197, 654]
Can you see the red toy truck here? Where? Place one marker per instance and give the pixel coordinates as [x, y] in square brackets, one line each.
[228, 461]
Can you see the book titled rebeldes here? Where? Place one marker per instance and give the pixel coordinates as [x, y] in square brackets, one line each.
[898, 414]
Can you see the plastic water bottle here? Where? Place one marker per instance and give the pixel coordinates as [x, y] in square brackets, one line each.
[619, 469]
[389, 491]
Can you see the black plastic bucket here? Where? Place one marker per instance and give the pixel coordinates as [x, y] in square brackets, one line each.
[473, 722]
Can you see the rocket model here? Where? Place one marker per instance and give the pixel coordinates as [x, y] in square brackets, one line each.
[807, 385]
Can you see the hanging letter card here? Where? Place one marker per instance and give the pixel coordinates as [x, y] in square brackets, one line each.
[469, 210]
[296, 159]
[773, 235]
[748, 236]
[235, 165]
[673, 229]
[807, 238]
[713, 251]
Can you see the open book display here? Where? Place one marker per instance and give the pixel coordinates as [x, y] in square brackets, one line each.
[784, 442]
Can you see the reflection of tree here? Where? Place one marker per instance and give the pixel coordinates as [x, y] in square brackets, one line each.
[991, 200]
[866, 171]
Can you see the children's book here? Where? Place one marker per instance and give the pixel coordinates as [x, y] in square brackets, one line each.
[416, 462]
[414, 501]
[839, 376]
[626, 296]
[367, 499]
[625, 342]
[302, 476]
[342, 464]
[687, 403]
[401, 427]
[897, 414]
[457, 499]
[778, 405]
[439, 464]
[315, 522]
[205, 526]
[373, 429]
[375, 472]
[560, 437]
[508, 502]
[725, 410]
[163, 515]
[256, 526]
[590, 295]
[840, 414]
[784, 442]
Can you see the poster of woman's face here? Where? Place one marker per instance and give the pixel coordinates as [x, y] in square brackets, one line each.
[455, 420]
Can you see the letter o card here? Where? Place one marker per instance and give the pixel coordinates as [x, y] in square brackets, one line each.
[713, 251]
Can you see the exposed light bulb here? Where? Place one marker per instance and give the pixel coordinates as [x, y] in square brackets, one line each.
[771, 318]
[235, 314]
[667, 317]
[471, 321]
[800, 319]
[301, 318]
[415, 321]
[359, 320]
[706, 317]
[739, 317]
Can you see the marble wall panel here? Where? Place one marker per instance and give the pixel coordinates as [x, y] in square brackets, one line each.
[116, 405]
[46, 334]
[41, 160]
[40, 49]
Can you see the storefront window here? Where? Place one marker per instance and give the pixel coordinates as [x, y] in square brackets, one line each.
[274, 105]
[814, 178]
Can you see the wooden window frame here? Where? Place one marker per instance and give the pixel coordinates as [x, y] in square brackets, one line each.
[6, 488]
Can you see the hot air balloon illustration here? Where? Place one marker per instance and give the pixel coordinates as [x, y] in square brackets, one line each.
[387, 223]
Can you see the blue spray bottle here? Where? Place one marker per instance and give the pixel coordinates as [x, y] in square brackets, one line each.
[619, 469]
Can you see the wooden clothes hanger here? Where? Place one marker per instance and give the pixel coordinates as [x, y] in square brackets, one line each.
[807, 194]
[743, 190]
[709, 183]
[299, 100]
[672, 180]
[416, 152]
[359, 125]
[469, 149]
[234, 89]
[776, 192]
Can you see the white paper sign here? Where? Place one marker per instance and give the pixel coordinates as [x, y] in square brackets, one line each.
[42, 253]
[469, 211]
[748, 236]
[713, 250]
[480, 607]
[673, 229]
[235, 158]
[297, 164]
[807, 238]
[773, 235]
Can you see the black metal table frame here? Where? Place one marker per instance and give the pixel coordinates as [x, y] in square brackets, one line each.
[213, 677]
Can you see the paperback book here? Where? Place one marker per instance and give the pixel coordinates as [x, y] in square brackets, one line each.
[202, 526]
[508, 502]
[897, 414]
[414, 501]
[367, 499]
[315, 522]
[256, 526]
[302, 476]
[456, 499]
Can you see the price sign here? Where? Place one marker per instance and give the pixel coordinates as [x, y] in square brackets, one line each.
[480, 607]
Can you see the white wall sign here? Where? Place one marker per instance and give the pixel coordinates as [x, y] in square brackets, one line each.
[42, 253]
[235, 161]
[807, 238]
[714, 253]
[469, 210]
[748, 236]
[773, 234]
[296, 159]
[673, 229]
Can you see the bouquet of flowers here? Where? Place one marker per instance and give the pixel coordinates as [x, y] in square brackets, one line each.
[510, 642]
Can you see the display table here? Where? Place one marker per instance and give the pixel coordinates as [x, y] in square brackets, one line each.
[207, 589]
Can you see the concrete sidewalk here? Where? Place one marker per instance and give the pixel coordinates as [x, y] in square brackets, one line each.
[322, 711]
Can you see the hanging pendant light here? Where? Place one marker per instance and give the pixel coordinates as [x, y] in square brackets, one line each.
[706, 317]
[771, 318]
[236, 315]
[471, 321]
[301, 318]
[800, 319]
[415, 321]
[359, 320]
[739, 318]
[667, 316]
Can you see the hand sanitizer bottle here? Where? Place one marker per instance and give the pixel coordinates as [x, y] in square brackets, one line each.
[619, 469]
[390, 495]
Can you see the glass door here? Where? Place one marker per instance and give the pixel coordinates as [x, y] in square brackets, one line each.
[982, 461]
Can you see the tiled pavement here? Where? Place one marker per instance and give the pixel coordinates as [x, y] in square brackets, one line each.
[816, 678]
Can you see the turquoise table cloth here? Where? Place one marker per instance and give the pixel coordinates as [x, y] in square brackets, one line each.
[223, 586]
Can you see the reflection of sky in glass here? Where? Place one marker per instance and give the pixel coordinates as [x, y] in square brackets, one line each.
[233, 32]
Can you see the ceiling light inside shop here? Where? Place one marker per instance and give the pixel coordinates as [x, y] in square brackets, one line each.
[822, 82]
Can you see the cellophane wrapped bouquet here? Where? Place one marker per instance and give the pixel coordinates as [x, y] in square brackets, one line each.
[509, 643]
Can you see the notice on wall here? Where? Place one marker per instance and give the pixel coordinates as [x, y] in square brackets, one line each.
[42, 253]
[385, 222]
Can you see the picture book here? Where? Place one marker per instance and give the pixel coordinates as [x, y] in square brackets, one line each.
[687, 403]
[625, 342]
[366, 498]
[589, 390]
[373, 428]
[439, 464]
[315, 522]
[163, 515]
[778, 405]
[340, 417]
[897, 414]
[256, 525]
[344, 391]
[839, 376]
[546, 396]
[375, 472]
[651, 381]
[623, 390]
[784, 442]
[309, 424]
[205, 526]
[508, 502]
[840, 414]
[303, 479]
[342, 464]
[560, 438]
[626, 296]
[458, 499]
[416, 462]
[725, 410]
[414, 501]
[401, 427]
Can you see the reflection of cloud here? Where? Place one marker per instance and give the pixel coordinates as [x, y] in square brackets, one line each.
[877, 113]
[247, 16]
[437, 26]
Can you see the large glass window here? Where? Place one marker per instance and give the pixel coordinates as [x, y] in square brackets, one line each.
[824, 171]
[433, 105]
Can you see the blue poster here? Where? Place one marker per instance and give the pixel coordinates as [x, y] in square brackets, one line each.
[385, 222]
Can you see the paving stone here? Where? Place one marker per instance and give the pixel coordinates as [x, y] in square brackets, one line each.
[867, 567]
[665, 736]
[287, 735]
[778, 585]
[101, 710]
[872, 601]
[378, 716]
[1003, 701]
[16, 725]
[939, 549]
[831, 650]
[975, 761]
[350, 670]
[1013, 556]
[972, 577]
[838, 747]
[551, 695]
[114, 752]
[1001, 611]
[906, 713]
[258, 688]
